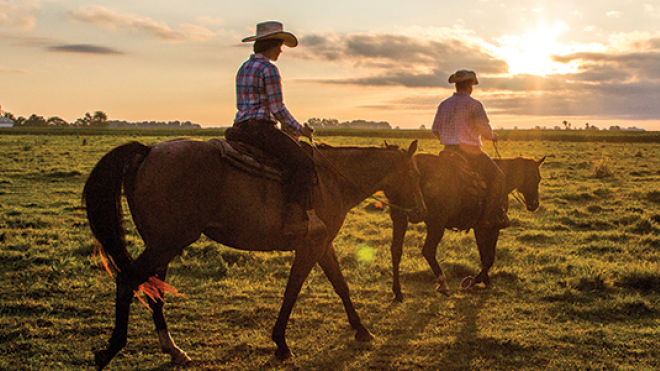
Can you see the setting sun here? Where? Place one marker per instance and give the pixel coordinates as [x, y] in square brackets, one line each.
[531, 53]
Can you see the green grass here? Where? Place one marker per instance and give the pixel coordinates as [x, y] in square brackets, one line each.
[576, 284]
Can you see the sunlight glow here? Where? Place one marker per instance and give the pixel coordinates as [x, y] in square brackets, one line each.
[532, 52]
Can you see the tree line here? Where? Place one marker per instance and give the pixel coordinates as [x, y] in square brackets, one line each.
[98, 119]
[319, 123]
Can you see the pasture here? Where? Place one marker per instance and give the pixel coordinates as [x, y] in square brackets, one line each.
[576, 284]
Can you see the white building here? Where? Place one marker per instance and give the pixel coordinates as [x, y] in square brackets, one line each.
[5, 122]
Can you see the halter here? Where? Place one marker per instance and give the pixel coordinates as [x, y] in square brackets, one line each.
[356, 187]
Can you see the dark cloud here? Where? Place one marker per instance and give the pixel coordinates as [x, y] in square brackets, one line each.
[83, 49]
[391, 60]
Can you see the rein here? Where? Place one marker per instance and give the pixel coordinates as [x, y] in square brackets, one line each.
[356, 187]
[516, 193]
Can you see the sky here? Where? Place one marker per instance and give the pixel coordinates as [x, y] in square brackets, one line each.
[539, 63]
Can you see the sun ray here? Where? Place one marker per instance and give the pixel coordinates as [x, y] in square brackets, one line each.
[531, 53]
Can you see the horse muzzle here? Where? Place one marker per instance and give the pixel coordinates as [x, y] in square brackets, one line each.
[532, 206]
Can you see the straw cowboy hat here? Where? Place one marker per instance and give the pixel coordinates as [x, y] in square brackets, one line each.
[273, 30]
[463, 76]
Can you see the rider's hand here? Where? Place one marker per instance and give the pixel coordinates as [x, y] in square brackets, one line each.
[307, 131]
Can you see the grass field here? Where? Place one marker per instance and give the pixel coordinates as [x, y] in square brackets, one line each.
[576, 284]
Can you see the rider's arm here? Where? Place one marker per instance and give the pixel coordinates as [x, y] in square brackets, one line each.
[276, 99]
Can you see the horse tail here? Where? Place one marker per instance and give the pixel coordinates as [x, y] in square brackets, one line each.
[102, 198]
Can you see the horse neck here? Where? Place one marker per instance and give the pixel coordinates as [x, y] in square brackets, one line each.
[514, 172]
[355, 173]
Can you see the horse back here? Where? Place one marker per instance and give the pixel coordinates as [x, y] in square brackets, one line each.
[185, 188]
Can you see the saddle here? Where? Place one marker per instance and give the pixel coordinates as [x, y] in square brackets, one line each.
[252, 160]
[472, 191]
[249, 159]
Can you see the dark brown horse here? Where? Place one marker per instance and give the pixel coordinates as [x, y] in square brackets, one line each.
[449, 208]
[178, 190]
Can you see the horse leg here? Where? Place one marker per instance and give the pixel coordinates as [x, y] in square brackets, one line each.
[119, 337]
[330, 265]
[302, 265]
[487, 242]
[434, 233]
[167, 345]
[399, 226]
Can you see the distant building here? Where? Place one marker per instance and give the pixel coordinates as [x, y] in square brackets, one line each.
[6, 123]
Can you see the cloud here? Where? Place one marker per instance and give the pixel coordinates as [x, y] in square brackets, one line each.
[19, 14]
[616, 79]
[112, 21]
[400, 59]
[83, 49]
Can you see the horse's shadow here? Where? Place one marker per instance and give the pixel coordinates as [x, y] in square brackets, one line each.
[421, 309]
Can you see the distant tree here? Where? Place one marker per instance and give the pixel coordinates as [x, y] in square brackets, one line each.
[422, 127]
[35, 121]
[567, 125]
[56, 121]
[20, 120]
[9, 115]
[80, 122]
[100, 116]
[98, 120]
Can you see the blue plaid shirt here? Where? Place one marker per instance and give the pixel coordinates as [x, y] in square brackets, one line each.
[259, 93]
[462, 119]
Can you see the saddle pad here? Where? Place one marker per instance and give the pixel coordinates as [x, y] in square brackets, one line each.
[244, 157]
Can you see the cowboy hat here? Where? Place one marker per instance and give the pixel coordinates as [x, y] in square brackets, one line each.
[463, 76]
[273, 30]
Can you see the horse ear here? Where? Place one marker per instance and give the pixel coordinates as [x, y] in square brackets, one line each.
[541, 160]
[413, 148]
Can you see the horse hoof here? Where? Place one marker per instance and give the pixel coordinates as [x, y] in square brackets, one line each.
[364, 336]
[398, 298]
[180, 358]
[284, 354]
[100, 359]
[441, 285]
[444, 290]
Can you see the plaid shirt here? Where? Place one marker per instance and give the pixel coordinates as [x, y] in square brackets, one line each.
[259, 93]
[462, 119]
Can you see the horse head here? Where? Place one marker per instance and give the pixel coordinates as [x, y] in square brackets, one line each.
[529, 187]
[406, 194]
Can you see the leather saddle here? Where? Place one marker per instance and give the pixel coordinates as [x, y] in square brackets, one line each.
[252, 160]
[249, 159]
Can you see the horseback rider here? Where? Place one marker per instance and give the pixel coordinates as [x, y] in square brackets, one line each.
[459, 124]
[260, 106]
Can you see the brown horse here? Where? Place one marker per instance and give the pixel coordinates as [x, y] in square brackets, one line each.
[179, 189]
[449, 208]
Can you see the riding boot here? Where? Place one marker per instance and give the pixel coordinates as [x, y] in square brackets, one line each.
[495, 215]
